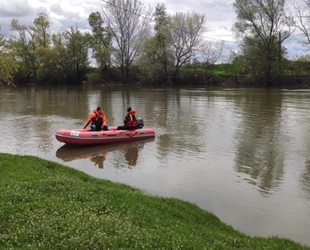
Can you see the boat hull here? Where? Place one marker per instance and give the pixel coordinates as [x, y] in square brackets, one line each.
[87, 137]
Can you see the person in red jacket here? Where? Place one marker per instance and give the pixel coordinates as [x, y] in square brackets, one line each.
[98, 120]
[130, 121]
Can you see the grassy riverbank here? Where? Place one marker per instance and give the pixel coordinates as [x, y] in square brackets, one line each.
[44, 205]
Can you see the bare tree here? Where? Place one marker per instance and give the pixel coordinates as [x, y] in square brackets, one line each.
[127, 21]
[211, 53]
[302, 21]
[186, 29]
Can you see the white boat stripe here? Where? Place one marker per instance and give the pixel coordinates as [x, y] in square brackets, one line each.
[105, 138]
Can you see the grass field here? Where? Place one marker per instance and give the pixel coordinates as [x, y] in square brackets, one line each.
[44, 205]
[293, 68]
[219, 69]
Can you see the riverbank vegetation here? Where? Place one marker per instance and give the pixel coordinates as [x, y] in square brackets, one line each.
[45, 205]
[130, 43]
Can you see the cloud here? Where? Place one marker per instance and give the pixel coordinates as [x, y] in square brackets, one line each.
[70, 13]
[220, 15]
[18, 9]
[57, 9]
[15, 8]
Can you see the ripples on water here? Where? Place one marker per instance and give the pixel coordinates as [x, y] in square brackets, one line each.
[241, 154]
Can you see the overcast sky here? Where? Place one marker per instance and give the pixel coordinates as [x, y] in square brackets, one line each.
[65, 13]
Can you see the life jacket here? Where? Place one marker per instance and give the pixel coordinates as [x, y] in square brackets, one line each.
[132, 122]
[97, 119]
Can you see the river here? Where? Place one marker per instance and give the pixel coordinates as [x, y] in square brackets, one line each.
[242, 154]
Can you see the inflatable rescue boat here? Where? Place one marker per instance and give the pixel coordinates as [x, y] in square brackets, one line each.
[88, 137]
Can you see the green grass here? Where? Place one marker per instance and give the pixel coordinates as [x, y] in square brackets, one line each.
[44, 205]
[224, 69]
[293, 68]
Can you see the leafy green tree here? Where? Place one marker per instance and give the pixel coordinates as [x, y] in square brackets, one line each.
[23, 46]
[263, 26]
[101, 40]
[40, 31]
[49, 70]
[27, 42]
[156, 57]
[8, 66]
[149, 60]
[71, 55]
[163, 37]
[299, 66]
[46, 57]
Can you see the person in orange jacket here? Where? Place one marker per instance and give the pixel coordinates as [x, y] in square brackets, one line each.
[98, 120]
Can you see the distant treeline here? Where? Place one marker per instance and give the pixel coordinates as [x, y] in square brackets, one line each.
[130, 44]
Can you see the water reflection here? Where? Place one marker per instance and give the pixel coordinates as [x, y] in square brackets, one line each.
[260, 145]
[98, 160]
[45, 101]
[305, 180]
[98, 154]
[131, 156]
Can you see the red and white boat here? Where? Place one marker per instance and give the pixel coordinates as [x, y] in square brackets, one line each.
[88, 137]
